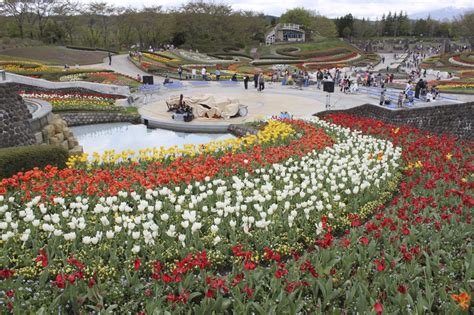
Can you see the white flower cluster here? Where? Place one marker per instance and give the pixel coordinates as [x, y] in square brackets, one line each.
[282, 197]
[72, 77]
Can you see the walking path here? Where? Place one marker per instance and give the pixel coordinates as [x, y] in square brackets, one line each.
[272, 101]
[121, 64]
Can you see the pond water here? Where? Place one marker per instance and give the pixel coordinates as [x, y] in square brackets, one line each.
[125, 136]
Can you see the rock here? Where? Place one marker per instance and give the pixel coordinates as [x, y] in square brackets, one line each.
[58, 127]
[67, 132]
[77, 150]
[48, 132]
[60, 136]
[72, 143]
[54, 141]
[39, 137]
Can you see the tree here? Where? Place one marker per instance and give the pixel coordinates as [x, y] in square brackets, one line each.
[299, 16]
[42, 11]
[19, 10]
[100, 11]
[344, 22]
[464, 26]
[364, 28]
[64, 15]
[323, 26]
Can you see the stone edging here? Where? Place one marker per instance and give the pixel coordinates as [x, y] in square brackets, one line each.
[455, 119]
[90, 118]
[459, 63]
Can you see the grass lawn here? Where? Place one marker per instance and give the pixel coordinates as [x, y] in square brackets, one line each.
[53, 55]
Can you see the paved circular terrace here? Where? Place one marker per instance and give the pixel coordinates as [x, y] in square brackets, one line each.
[272, 101]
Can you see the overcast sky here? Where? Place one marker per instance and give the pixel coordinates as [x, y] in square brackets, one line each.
[330, 8]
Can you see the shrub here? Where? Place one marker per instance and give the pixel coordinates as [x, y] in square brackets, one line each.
[19, 159]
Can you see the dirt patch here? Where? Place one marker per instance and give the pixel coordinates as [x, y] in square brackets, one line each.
[54, 55]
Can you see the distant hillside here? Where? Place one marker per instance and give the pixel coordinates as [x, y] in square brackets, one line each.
[448, 13]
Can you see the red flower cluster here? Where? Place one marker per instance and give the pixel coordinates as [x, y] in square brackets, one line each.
[42, 258]
[52, 182]
[6, 273]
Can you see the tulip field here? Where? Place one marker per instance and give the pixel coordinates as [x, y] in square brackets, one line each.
[337, 215]
[75, 101]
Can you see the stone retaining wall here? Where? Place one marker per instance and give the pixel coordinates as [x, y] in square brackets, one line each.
[89, 118]
[14, 115]
[241, 130]
[456, 119]
[96, 87]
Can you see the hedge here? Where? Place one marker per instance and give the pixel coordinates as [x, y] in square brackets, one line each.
[236, 54]
[312, 53]
[92, 49]
[20, 159]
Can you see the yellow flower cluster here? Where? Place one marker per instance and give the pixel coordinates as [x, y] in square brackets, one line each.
[18, 67]
[158, 58]
[273, 131]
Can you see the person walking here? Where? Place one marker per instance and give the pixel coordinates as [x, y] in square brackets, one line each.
[180, 72]
[255, 79]
[246, 82]
[204, 73]
[218, 74]
[110, 58]
[261, 82]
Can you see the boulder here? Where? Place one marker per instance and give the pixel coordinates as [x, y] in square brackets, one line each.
[77, 150]
[48, 132]
[54, 141]
[60, 136]
[72, 143]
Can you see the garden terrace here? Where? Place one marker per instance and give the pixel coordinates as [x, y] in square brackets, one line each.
[54, 55]
[400, 255]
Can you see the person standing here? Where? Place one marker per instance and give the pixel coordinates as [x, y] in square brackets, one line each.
[218, 74]
[261, 82]
[246, 82]
[418, 88]
[319, 78]
[306, 79]
[180, 72]
[110, 58]
[193, 73]
[204, 73]
[255, 79]
[382, 97]
[400, 99]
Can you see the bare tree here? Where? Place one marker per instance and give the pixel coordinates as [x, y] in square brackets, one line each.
[18, 10]
[42, 11]
[64, 13]
[103, 11]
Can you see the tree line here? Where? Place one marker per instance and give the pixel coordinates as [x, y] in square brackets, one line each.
[202, 25]
[398, 24]
[197, 25]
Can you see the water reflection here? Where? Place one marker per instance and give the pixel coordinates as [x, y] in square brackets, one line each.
[124, 136]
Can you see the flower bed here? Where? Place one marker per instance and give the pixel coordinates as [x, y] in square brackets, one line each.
[100, 237]
[62, 101]
[38, 70]
[102, 77]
